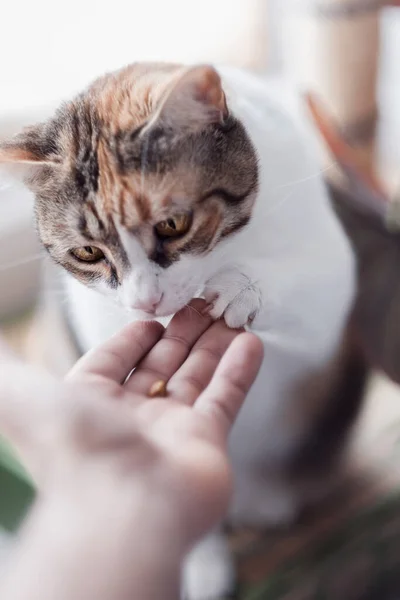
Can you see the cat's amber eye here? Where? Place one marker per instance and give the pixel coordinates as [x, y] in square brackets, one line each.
[174, 226]
[89, 254]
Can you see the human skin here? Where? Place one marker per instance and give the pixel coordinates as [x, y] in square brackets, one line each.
[127, 484]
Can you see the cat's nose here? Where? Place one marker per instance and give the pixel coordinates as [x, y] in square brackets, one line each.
[147, 304]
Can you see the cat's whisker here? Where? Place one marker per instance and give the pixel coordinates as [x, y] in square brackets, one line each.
[283, 201]
[193, 309]
[21, 262]
[304, 179]
[279, 204]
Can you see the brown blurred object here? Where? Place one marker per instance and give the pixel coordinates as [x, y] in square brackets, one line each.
[332, 48]
[348, 157]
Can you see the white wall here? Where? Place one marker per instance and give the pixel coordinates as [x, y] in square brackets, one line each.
[49, 48]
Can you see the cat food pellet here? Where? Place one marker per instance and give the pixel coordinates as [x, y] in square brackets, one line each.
[159, 388]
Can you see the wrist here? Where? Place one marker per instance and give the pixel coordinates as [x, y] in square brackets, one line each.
[67, 552]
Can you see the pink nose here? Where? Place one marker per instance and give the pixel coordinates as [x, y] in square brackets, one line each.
[148, 304]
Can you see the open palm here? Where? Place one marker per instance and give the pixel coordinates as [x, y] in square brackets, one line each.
[104, 420]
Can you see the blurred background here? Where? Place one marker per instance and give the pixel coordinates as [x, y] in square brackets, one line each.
[346, 50]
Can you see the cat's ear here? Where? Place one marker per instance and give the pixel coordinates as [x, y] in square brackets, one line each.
[194, 100]
[26, 153]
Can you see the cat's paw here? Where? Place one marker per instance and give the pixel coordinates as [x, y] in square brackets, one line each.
[208, 572]
[234, 296]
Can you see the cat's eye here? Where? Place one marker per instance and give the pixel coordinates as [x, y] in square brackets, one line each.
[89, 254]
[174, 226]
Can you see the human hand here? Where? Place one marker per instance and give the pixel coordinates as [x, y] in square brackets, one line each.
[105, 441]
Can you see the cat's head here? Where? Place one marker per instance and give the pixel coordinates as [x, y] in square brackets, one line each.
[139, 182]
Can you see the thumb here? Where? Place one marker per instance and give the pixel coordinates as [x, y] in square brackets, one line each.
[27, 406]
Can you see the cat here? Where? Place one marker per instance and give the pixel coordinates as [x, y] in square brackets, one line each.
[162, 182]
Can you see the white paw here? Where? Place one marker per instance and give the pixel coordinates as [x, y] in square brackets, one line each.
[233, 295]
[208, 572]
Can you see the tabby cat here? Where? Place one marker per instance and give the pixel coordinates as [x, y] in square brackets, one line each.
[162, 182]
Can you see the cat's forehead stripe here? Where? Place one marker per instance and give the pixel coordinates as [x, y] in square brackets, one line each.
[90, 223]
[82, 128]
[90, 206]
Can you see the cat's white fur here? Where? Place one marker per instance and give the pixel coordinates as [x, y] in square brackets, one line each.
[292, 267]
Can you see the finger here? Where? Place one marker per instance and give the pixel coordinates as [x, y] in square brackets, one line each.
[116, 358]
[197, 370]
[167, 356]
[232, 381]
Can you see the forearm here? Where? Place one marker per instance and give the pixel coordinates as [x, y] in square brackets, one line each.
[73, 556]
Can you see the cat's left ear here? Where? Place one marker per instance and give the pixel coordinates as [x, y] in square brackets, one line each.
[194, 100]
[26, 153]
